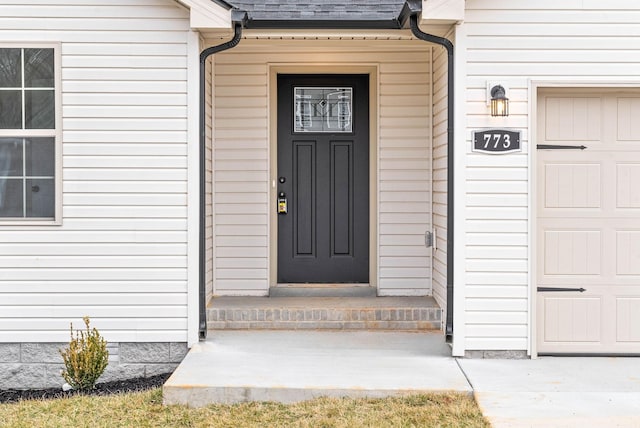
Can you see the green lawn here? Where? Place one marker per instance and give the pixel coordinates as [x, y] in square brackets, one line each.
[145, 409]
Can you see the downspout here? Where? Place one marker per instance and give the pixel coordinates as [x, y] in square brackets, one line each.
[237, 18]
[413, 23]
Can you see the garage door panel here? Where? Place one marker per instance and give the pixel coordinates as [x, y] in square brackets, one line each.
[569, 185]
[628, 124]
[627, 188]
[571, 319]
[573, 118]
[572, 252]
[628, 252]
[628, 319]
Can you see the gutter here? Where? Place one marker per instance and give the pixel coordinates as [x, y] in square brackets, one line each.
[410, 12]
[306, 24]
[238, 18]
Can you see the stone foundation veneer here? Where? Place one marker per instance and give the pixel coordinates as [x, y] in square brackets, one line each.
[38, 365]
[504, 355]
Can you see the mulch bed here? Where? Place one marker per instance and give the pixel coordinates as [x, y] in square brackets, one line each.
[107, 388]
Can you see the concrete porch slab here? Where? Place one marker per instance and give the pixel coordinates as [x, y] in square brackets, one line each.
[308, 302]
[290, 366]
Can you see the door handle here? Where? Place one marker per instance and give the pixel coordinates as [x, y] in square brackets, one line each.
[282, 203]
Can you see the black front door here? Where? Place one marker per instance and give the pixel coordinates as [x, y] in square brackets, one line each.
[323, 179]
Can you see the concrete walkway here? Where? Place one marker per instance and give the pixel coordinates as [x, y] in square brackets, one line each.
[557, 391]
[288, 366]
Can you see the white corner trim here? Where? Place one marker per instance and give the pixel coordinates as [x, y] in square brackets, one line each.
[193, 187]
[207, 14]
[459, 188]
[532, 123]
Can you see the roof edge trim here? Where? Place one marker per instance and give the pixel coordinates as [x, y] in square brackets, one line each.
[223, 3]
[208, 14]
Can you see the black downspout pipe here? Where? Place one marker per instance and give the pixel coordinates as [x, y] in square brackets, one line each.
[413, 22]
[204, 55]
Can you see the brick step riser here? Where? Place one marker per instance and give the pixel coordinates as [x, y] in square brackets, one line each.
[373, 325]
[330, 319]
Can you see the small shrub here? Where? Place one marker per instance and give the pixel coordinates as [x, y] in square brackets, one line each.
[85, 359]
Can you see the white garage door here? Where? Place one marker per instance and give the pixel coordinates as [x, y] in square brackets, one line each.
[588, 227]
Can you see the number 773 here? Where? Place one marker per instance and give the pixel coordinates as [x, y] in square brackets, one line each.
[495, 139]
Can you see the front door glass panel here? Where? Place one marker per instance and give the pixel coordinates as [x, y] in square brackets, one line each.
[323, 109]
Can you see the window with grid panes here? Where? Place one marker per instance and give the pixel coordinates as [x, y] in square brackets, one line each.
[27, 133]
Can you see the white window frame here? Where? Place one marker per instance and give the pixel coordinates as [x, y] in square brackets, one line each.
[56, 133]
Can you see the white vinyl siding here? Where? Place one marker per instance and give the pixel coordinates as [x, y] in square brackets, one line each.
[209, 260]
[240, 176]
[241, 167]
[513, 42]
[404, 193]
[119, 255]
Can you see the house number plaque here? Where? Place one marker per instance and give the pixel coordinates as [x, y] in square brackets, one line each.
[496, 141]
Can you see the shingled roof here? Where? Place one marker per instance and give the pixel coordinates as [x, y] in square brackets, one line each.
[320, 10]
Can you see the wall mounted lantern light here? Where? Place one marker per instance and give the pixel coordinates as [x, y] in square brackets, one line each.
[499, 101]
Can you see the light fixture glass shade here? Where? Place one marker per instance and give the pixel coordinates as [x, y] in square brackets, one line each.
[499, 102]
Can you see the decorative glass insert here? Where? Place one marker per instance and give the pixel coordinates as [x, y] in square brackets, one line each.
[323, 109]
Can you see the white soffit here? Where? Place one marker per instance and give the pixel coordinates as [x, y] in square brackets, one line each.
[442, 11]
[207, 14]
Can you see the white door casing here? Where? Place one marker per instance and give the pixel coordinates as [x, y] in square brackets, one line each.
[588, 222]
